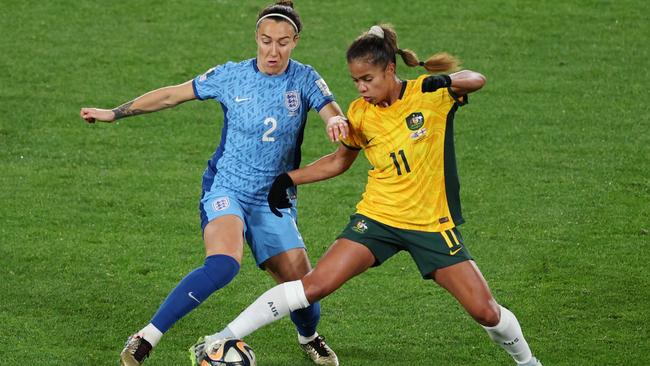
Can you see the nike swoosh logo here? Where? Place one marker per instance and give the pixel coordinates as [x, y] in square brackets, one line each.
[453, 252]
[239, 100]
[192, 297]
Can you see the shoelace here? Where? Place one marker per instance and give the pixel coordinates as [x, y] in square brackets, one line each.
[141, 349]
[318, 345]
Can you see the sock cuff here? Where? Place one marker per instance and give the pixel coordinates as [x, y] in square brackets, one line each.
[505, 318]
[295, 295]
[151, 334]
[304, 340]
[219, 266]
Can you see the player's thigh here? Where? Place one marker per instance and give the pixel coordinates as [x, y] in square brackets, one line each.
[362, 244]
[223, 224]
[342, 261]
[224, 235]
[288, 266]
[275, 240]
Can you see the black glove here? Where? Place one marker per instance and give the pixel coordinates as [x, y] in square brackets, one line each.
[278, 197]
[435, 82]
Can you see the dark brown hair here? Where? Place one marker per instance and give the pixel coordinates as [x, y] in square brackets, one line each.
[284, 7]
[379, 47]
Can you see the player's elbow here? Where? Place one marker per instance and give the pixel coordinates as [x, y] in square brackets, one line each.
[171, 100]
[177, 94]
[478, 80]
[342, 166]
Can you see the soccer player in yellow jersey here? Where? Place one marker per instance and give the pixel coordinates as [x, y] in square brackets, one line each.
[411, 202]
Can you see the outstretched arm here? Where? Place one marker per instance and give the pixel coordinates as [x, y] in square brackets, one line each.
[461, 82]
[152, 101]
[466, 81]
[326, 167]
[335, 122]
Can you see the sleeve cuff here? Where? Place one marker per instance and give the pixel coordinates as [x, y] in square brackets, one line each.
[325, 102]
[349, 147]
[460, 99]
[196, 92]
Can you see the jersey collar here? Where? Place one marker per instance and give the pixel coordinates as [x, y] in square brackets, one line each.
[401, 92]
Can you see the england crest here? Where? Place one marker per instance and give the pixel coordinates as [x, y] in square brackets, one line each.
[220, 204]
[292, 101]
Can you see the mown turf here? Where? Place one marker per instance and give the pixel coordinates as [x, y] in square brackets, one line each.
[98, 223]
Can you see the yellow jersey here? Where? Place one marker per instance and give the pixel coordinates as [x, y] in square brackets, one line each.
[413, 183]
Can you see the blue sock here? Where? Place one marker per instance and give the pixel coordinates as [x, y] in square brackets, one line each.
[306, 319]
[217, 271]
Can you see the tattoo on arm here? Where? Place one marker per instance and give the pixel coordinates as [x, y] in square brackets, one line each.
[125, 111]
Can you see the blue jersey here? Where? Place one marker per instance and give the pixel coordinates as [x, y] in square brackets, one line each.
[264, 121]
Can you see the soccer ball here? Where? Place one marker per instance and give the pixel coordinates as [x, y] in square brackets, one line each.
[229, 352]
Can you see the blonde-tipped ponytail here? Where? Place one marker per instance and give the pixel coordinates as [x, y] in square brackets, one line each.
[438, 63]
[441, 62]
[379, 46]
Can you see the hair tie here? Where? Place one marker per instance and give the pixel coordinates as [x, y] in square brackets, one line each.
[376, 30]
[421, 63]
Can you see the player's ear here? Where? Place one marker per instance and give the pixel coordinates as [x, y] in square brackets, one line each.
[296, 38]
[390, 69]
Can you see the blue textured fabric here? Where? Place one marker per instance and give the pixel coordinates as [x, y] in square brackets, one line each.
[306, 319]
[216, 272]
[264, 121]
[266, 234]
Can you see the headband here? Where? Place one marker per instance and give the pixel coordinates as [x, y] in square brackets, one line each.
[277, 15]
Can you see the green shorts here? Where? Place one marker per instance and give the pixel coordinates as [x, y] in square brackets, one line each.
[429, 250]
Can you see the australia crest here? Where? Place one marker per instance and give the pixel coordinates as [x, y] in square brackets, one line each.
[414, 121]
[360, 227]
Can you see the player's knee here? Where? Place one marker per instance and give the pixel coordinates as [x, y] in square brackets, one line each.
[220, 269]
[316, 291]
[487, 313]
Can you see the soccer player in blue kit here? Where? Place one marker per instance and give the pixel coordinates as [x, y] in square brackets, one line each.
[265, 101]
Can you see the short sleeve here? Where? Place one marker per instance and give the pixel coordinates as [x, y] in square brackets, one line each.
[209, 85]
[316, 91]
[461, 100]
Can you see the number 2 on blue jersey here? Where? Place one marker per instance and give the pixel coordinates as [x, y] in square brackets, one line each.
[267, 135]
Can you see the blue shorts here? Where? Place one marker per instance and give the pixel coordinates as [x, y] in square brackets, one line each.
[266, 234]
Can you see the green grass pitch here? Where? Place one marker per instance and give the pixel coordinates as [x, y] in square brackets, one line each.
[99, 222]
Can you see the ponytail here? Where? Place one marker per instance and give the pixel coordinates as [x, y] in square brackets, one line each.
[441, 62]
[379, 47]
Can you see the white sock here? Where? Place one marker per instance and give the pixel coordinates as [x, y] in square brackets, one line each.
[305, 340]
[274, 304]
[151, 334]
[226, 333]
[509, 336]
